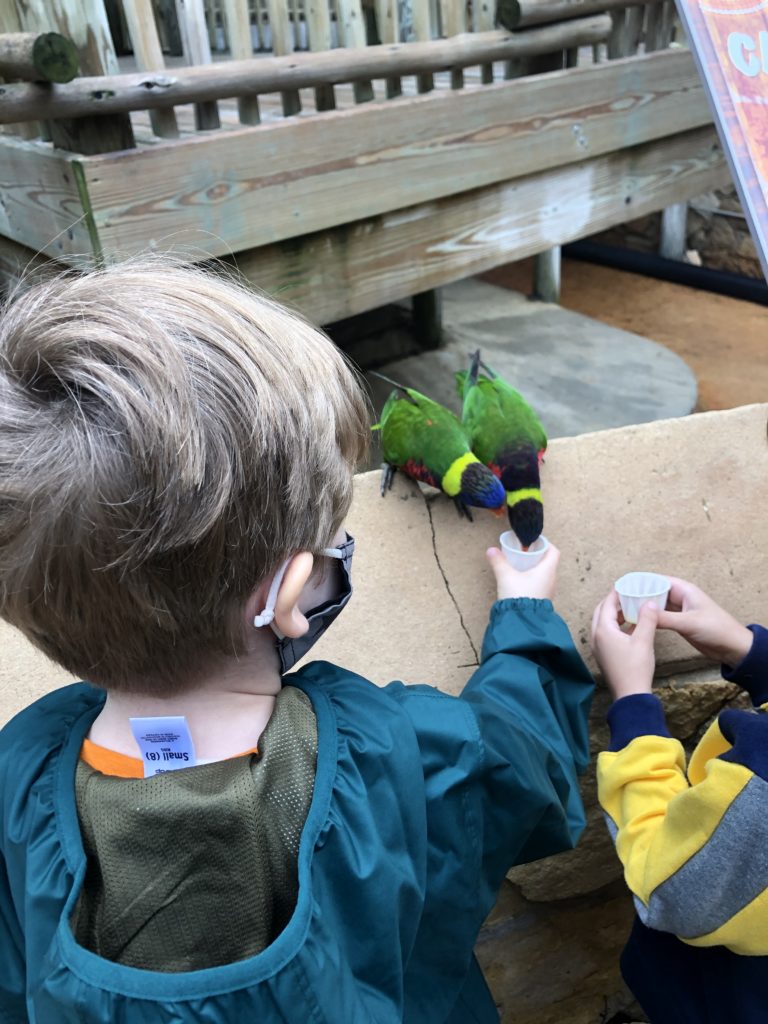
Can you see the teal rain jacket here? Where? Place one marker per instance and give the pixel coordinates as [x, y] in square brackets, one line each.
[422, 801]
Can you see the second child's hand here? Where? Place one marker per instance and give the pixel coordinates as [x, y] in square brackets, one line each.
[627, 660]
[704, 624]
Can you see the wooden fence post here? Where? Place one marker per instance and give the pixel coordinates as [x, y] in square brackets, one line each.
[197, 50]
[237, 21]
[140, 18]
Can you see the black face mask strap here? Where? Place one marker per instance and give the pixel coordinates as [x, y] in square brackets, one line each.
[291, 649]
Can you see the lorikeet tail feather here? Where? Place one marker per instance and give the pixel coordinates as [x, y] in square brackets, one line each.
[474, 369]
[400, 387]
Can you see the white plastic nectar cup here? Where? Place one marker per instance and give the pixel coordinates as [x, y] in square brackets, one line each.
[519, 559]
[637, 588]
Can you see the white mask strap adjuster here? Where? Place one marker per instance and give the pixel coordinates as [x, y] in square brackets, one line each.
[268, 614]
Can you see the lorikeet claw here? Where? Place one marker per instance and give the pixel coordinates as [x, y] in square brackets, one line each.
[463, 509]
[387, 476]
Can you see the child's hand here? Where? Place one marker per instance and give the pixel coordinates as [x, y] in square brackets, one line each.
[536, 582]
[626, 660]
[704, 624]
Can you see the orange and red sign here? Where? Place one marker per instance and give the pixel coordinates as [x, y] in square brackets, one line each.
[729, 39]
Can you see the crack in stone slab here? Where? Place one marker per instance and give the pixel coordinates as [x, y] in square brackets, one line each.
[428, 503]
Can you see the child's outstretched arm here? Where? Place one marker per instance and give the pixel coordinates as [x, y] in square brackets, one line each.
[684, 839]
[12, 974]
[530, 697]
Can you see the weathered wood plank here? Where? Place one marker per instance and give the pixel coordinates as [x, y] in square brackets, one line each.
[344, 165]
[140, 18]
[338, 273]
[43, 192]
[275, 74]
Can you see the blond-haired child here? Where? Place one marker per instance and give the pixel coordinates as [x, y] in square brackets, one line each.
[176, 462]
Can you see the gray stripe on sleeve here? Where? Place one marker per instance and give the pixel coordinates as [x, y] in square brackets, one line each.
[723, 877]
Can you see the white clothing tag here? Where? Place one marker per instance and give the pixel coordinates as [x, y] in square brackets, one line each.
[166, 744]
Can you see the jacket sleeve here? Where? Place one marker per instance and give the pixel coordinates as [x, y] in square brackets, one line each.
[12, 973]
[752, 672]
[530, 698]
[665, 818]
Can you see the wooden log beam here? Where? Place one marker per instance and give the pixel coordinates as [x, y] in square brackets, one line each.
[38, 57]
[148, 91]
[517, 14]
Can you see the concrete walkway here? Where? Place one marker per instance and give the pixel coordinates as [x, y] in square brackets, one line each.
[579, 374]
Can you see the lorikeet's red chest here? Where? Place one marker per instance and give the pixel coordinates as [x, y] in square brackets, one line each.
[418, 471]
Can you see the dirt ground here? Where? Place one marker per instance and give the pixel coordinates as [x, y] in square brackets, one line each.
[723, 340]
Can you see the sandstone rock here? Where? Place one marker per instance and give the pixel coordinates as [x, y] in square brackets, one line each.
[557, 962]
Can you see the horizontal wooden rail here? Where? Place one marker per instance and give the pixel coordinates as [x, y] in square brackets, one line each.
[38, 57]
[355, 267]
[347, 270]
[150, 90]
[517, 14]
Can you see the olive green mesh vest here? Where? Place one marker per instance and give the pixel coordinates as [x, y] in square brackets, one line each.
[197, 868]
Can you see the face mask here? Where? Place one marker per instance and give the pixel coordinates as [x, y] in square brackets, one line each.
[291, 649]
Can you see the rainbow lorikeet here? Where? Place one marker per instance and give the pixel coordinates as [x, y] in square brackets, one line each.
[506, 435]
[427, 442]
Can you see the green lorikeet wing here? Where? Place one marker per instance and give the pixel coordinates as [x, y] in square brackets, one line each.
[506, 435]
[428, 443]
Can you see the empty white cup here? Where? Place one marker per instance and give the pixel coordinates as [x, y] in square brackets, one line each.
[637, 588]
[514, 554]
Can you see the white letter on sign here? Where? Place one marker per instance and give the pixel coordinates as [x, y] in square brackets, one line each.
[738, 43]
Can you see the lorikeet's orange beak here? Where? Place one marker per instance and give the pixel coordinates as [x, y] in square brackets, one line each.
[500, 511]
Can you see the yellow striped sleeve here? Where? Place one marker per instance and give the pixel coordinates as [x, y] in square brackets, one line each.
[659, 821]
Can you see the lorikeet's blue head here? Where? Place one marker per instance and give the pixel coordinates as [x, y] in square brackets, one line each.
[526, 518]
[480, 487]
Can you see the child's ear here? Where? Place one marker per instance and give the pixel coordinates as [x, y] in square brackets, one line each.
[288, 619]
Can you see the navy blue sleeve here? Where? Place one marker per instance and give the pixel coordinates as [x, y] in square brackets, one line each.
[752, 671]
[639, 714]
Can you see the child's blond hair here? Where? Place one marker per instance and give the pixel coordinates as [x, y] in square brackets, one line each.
[167, 438]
